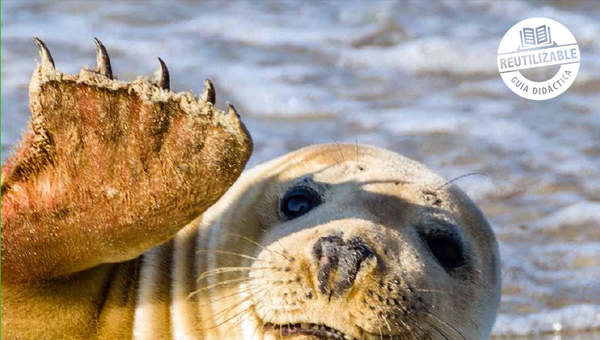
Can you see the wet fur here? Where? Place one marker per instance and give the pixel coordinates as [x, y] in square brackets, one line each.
[107, 170]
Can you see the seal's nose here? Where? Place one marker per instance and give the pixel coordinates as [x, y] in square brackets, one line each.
[334, 254]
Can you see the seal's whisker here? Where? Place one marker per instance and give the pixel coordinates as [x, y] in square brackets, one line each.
[380, 333]
[405, 326]
[454, 329]
[480, 173]
[410, 331]
[226, 252]
[245, 299]
[241, 320]
[280, 245]
[226, 321]
[431, 291]
[230, 281]
[410, 318]
[258, 244]
[222, 283]
[231, 308]
[439, 331]
[223, 270]
[443, 323]
[340, 151]
[238, 292]
[382, 314]
[356, 148]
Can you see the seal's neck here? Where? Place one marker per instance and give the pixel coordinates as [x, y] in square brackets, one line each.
[173, 304]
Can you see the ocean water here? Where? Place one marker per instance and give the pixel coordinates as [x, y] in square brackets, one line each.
[415, 78]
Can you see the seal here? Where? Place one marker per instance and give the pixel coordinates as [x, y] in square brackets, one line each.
[334, 241]
[347, 242]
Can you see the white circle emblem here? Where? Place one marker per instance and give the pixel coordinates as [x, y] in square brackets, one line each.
[534, 43]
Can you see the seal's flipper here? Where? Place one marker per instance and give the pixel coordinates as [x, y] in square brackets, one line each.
[110, 168]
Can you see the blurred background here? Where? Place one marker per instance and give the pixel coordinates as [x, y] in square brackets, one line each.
[420, 79]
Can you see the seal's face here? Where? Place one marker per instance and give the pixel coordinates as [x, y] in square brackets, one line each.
[354, 242]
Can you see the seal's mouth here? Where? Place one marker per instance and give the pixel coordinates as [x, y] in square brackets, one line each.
[316, 330]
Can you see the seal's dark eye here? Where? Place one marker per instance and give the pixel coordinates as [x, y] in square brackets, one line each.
[298, 201]
[446, 248]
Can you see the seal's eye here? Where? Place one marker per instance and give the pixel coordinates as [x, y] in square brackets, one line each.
[446, 248]
[298, 201]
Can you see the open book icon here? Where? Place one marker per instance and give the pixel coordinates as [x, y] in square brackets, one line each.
[534, 37]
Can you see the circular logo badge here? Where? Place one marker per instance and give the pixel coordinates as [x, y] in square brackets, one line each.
[533, 48]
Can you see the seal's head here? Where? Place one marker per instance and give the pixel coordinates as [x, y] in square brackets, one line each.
[350, 242]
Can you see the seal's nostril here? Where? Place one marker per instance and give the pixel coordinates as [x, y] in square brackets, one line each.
[325, 251]
[334, 254]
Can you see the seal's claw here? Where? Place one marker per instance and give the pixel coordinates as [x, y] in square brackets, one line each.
[103, 60]
[231, 109]
[208, 94]
[47, 60]
[163, 75]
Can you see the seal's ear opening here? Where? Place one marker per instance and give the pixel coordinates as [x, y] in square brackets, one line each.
[132, 159]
